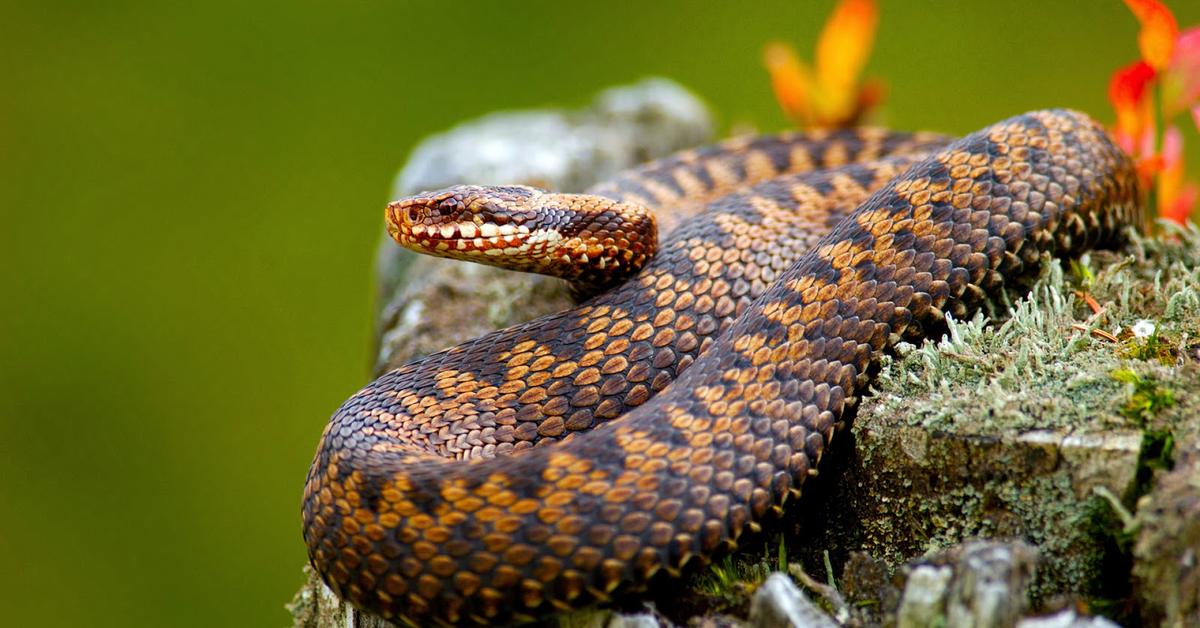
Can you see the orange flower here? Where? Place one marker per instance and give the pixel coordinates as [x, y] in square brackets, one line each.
[1156, 40]
[833, 95]
[1176, 197]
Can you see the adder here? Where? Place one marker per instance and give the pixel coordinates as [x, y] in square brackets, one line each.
[584, 455]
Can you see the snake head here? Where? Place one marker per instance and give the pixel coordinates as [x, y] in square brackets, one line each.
[579, 237]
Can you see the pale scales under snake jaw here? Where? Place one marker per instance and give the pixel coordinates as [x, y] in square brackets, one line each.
[764, 368]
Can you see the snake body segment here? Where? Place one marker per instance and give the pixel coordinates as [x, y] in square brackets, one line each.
[767, 351]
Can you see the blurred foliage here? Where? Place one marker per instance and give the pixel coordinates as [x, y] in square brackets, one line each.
[191, 194]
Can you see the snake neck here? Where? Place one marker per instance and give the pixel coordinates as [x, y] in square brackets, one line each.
[591, 241]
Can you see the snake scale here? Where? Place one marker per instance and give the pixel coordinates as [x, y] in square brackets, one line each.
[576, 458]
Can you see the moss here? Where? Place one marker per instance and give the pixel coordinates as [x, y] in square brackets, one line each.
[1147, 398]
[1033, 370]
[727, 584]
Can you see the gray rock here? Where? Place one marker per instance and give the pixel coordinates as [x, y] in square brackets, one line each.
[604, 618]
[1066, 619]
[561, 150]
[779, 602]
[979, 584]
[316, 606]
[640, 620]
[989, 587]
[1167, 551]
[924, 600]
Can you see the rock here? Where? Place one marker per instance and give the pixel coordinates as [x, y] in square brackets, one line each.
[924, 601]
[640, 620]
[1066, 619]
[1013, 429]
[980, 584]
[779, 602]
[316, 606]
[989, 585]
[1167, 551]
[429, 304]
[561, 150]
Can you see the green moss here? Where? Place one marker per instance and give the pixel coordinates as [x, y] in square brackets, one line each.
[729, 581]
[1147, 398]
[1152, 347]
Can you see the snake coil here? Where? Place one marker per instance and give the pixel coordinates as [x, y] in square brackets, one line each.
[577, 457]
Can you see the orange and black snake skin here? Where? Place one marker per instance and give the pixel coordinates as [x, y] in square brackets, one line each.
[575, 458]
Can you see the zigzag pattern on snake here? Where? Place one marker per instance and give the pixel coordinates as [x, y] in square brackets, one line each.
[759, 349]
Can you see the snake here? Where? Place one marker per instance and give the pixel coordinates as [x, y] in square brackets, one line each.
[584, 456]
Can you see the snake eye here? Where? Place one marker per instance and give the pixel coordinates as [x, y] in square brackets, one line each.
[449, 206]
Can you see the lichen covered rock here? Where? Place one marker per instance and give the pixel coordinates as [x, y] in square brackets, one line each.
[1067, 421]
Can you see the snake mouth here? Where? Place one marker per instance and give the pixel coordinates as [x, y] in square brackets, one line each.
[412, 230]
[488, 238]
[464, 231]
[467, 220]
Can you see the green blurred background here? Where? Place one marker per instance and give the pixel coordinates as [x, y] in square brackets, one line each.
[191, 193]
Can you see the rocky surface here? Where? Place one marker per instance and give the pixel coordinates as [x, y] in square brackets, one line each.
[1167, 550]
[1071, 430]
[1071, 435]
[779, 602]
[979, 584]
[1066, 619]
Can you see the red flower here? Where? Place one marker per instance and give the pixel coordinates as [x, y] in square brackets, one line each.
[1129, 92]
[1170, 62]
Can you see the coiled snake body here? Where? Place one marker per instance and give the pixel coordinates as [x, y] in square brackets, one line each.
[757, 319]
